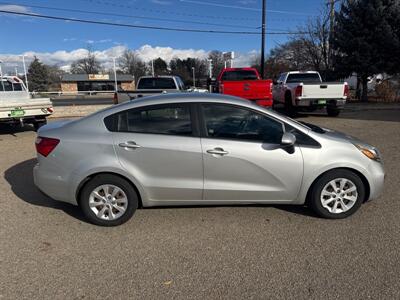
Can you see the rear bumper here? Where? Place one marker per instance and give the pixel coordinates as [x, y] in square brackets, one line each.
[264, 102]
[339, 103]
[52, 185]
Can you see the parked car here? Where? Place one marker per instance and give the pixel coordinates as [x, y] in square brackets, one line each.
[150, 86]
[17, 106]
[201, 149]
[245, 83]
[305, 91]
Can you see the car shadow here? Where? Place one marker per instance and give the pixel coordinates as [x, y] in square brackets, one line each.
[6, 129]
[20, 178]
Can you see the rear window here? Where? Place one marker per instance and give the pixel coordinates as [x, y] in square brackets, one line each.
[10, 87]
[239, 75]
[156, 83]
[305, 77]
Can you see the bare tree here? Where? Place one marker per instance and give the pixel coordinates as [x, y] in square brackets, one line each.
[315, 41]
[131, 63]
[87, 65]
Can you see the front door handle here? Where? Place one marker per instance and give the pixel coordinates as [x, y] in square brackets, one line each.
[217, 151]
[129, 145]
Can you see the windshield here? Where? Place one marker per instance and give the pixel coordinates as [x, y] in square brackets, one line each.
[304, 77]
[239, 75]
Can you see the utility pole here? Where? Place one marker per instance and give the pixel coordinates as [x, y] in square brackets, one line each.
[263, 39]
[1, 76]
[194, 79]
[331, 27]
[115, 76]
[210, 67]
[25, 73]
[152, 67]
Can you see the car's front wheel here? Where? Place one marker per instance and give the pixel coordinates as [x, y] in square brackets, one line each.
[108, 200]
[337, 194]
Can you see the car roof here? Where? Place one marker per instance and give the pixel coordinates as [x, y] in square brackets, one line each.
[189, 97]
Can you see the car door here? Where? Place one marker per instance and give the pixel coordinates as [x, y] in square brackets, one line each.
[243, 159]
[159, 146]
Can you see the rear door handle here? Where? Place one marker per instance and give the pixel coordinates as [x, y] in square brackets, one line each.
[217, 151]
[129, 145]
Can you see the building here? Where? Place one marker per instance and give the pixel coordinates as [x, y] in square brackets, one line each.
[96, 82]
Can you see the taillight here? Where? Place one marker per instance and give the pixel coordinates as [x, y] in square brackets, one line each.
[45, 146]
[299, 91]
[50, 110]
[221, 88]
[346, 90]
[115, 99]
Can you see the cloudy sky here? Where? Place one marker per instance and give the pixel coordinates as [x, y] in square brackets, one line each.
[62, 41]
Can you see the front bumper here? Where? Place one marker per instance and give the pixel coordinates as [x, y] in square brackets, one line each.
[376, 180]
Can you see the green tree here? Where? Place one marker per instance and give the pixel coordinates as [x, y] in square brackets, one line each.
[367, 39]
[160, 67]
[38, 76]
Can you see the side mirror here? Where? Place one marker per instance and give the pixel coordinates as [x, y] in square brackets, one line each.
[288, 139]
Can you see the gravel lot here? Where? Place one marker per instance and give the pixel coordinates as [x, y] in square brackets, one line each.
[48, 250]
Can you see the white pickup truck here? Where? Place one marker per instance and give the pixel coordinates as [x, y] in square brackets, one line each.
[305, 91]
[18, 107]
[150, 86]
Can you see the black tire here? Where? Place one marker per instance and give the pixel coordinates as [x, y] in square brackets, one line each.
[38, 124]
[333, 111]
[290, 110]
[315, 196]
[117, 181]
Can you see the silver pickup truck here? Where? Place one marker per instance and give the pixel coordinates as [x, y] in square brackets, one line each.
[18, 107]
[305, 91]
[149, 86]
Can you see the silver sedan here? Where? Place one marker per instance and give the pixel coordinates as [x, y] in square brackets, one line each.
[199, 149]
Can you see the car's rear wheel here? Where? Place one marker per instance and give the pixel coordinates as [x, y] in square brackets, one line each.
[108, 200]
[337, 194]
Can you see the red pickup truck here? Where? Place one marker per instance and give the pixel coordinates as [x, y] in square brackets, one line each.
[245, 83]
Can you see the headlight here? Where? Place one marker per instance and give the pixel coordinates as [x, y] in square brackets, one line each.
[369, 151]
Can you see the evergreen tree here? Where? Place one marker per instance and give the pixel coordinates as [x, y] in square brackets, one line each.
[38, 76]
[367, 39]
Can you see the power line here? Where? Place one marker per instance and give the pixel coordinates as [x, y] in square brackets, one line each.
[140, 26]
[244, 8]
[128, 16]
[159, 11]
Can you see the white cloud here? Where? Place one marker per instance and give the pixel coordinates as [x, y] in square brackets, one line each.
[161, 2]
[15, 8]
[63, 58]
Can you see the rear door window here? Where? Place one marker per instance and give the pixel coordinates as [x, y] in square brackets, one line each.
[161, 119]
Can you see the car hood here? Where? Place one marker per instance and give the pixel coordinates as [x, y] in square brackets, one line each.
[337, 135]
